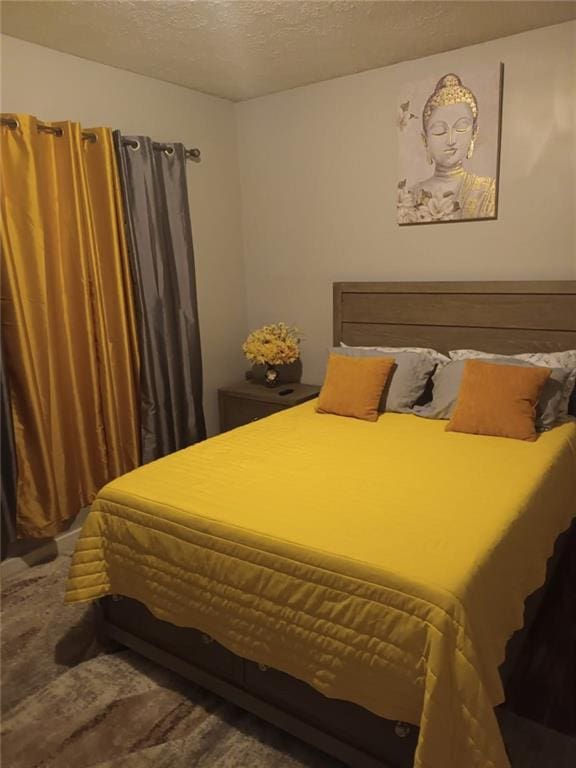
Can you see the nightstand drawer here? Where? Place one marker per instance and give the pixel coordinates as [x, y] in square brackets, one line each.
[236, 411]
[249, 401]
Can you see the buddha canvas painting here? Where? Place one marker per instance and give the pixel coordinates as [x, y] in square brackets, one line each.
[448, 146]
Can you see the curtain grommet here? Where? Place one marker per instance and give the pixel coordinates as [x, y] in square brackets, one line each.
[134, 145]
[11, 122]
[169, 151]
[51, 130]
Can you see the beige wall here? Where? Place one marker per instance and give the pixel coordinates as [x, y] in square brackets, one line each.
[318, 173]
[56, 86]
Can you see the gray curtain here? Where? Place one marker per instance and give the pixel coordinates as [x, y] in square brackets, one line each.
[8, 477]
[159, 238]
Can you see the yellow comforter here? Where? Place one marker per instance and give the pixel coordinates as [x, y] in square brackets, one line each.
[384, 563]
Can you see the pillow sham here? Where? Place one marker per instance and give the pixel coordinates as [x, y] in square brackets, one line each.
[447, 382]
[353, 386]
[439, 357]
[565, 359]
[498, 400]
[407, 381]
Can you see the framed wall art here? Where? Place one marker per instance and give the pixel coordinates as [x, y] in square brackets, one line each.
[449, 127]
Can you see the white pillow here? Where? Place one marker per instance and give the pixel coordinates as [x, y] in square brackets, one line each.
[566, 359]
[433, 353]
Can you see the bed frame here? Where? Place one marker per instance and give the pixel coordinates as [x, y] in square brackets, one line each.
[503, 317]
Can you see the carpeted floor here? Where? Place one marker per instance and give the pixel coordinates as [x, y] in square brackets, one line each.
[67, 705]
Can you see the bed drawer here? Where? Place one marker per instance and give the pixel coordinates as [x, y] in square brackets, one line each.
[188, 644]
[349, 722]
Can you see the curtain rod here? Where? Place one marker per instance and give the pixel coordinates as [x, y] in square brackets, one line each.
[190, 154]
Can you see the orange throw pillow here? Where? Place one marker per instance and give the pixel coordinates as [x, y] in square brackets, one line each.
[353, 386]
[498, 400]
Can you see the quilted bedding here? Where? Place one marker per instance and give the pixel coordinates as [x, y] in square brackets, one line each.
[384, 563]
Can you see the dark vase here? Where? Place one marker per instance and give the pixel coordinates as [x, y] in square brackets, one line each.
[287, 374]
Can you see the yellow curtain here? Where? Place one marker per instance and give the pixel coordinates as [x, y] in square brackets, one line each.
[68, 326]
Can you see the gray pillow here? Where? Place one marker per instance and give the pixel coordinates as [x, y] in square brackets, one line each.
[408, 379]
[447, 386]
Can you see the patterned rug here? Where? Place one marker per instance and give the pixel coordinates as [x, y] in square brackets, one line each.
[67, 705]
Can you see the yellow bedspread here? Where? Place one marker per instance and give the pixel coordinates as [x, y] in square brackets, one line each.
[384, 563]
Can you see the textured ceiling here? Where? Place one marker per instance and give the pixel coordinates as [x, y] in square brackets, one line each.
[239, 49]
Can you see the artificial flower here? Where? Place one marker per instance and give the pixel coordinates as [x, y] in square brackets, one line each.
[275, 344]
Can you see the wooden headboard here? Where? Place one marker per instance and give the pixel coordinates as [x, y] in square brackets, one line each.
[502, 317]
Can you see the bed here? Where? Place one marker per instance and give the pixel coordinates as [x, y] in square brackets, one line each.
[360, 585]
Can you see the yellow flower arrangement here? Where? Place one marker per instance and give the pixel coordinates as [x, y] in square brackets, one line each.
[275, 344]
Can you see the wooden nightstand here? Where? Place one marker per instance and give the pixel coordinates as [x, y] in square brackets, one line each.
[249, 401]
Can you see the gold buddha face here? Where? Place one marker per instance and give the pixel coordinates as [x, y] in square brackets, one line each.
[449, 133]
